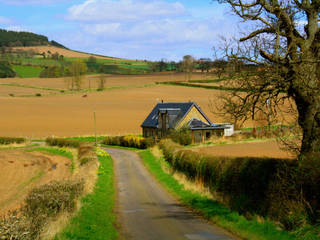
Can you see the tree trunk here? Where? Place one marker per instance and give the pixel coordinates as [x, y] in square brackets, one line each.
[309, 121]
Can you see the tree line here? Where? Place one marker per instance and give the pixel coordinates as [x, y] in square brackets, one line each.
[24, 39]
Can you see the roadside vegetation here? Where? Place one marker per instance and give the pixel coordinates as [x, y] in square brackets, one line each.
[48, 207]
[96, 219]
[277, 189]
[247, 226]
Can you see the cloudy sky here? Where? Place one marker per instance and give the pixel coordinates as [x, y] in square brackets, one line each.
[135, 29]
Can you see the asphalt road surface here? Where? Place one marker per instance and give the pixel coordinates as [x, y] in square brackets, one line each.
[147, 211]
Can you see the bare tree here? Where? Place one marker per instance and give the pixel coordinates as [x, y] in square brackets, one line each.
[101, 81]
[285, 42]
[79, 68]
[188, 65]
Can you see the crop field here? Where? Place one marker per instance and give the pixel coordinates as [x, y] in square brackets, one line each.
[250, 149]
[21, 171]
[119, 110]
[13, 91]
[91, 81]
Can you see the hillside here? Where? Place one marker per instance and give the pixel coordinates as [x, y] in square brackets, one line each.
[23, 39]
[61, 51]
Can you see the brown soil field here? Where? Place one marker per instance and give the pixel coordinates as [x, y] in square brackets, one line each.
[119, 111]
[61, 51]
[249, 149]
[20, 91]
[21, 171]
[90, 81]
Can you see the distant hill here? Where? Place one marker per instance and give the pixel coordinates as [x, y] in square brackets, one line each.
[25, 39]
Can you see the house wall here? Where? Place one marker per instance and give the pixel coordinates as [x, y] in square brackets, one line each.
[150, 132]
[199, 136]
[194, 113]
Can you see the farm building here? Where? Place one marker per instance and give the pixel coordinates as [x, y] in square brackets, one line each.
[168, 116]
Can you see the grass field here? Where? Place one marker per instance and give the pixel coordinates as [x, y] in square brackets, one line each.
[27, 71]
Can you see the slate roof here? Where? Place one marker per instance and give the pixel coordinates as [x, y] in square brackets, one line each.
[176, 111]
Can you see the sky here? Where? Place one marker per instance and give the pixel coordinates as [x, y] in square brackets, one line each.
[133, 29]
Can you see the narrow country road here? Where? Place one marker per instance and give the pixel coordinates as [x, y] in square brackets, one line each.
[147, 211]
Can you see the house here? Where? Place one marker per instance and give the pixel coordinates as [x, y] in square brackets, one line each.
[168, 116]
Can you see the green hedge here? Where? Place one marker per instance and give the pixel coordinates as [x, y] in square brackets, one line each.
[129, 141]
[10, 140]
[62, 142]
[282, 189]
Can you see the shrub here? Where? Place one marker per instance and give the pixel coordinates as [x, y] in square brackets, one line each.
[86, 153]
[62, 142]
[129, 141]
[14, 226]
[38, 95]
[41, 204]
[10, 140]
[182, 136]
[6, 70]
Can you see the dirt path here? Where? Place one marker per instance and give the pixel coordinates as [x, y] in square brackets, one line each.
[147, 211]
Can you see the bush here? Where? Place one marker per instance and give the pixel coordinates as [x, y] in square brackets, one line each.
[129, 141]
[11, 140]
[62, 142]
[182, 136]
[86, 153]
[48, 201]
[6, 70]
[284, 190]
[41, 204]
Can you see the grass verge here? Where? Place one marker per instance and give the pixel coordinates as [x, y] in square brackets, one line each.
[216, 212]
[96, 219]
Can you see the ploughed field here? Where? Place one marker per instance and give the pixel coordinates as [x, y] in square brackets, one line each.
[270, 149]
[120, 109]
[21, 170]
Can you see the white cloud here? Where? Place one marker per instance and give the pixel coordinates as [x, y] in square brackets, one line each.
[124, 10]
[144, 29]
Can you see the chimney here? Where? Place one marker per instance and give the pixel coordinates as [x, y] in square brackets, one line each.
[161, 100]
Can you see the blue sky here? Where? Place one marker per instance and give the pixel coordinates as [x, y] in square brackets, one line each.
[135, 29]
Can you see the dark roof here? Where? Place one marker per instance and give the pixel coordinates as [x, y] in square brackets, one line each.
[196, 123]
[176, 111]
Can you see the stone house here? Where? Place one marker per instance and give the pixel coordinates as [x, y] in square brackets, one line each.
[175, 115]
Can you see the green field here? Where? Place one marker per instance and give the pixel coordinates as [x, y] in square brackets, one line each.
[27, 71]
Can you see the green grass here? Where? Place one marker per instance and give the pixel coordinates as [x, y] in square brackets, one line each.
[27, 71]
[56, 151]
[96, 218]
[216, 212]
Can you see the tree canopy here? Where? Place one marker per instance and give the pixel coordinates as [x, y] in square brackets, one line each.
[285, 42]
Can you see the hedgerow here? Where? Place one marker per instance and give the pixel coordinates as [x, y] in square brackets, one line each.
[129, 141]
[281, 189]
[10, 140]
[63, 142]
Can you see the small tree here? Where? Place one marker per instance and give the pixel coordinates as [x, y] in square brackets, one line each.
[188, 65]
[79, 68]
[101, 81]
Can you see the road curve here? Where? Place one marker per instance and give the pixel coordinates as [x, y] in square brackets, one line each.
[147, 211]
